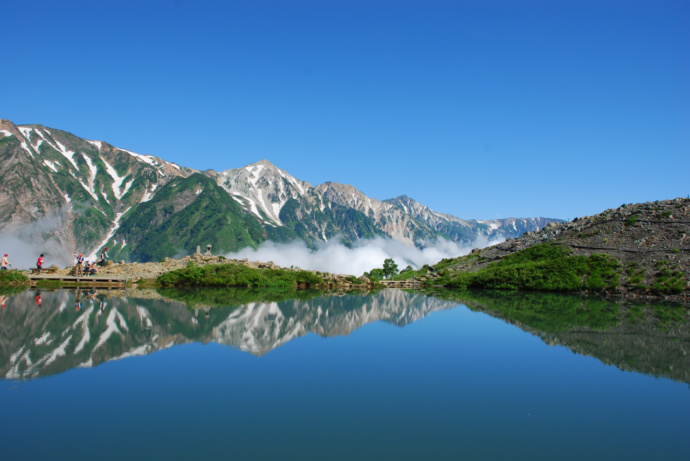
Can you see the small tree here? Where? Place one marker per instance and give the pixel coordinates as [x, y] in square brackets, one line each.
[375, 274]
[389, 268]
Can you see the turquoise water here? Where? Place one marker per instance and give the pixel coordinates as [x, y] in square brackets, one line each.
[392, 375]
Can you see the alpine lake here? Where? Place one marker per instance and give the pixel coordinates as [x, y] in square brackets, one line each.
[387, 375]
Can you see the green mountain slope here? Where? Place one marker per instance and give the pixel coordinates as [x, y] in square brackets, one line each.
[185, 213]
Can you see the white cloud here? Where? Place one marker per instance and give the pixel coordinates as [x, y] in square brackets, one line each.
[25, 243]
[365, 255]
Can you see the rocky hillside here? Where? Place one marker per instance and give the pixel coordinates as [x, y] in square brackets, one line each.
[647, 246]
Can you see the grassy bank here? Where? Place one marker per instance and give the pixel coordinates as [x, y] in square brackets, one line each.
[541, 268]
[237, 275]
[13, 278]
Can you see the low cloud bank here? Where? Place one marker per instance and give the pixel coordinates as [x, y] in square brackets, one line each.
[25, 243]
[23, 254]
[365, 255]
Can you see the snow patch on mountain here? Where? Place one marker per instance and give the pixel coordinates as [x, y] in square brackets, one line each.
[118, 190]
[26, 148]
[113, 229]
[50, 165]
[148, 195]
[93, 170]
[26, 131]
[69, 155]
[150, 159]
[98, 144]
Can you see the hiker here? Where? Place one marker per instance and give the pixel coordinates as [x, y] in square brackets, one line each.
[39, 264]
[104, 257]
[4, 263]
[80, 265]
[93, 270]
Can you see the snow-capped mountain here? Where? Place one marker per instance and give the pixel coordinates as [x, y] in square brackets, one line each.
[263, 189]
[55, 185]
[79, 195]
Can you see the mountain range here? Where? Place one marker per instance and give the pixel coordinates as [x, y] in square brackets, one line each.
[74, 195]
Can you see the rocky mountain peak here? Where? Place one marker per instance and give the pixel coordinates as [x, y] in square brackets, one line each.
[6, 125]
[262, 188]
[348, 195]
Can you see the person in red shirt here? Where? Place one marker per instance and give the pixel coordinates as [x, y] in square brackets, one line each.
[39, 263]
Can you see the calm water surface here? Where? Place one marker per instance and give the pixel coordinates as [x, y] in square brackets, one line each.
[391, 375]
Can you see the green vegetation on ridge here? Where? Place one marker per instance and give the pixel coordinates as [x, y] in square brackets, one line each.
[238, 275]
[167, 226]
[543, 267]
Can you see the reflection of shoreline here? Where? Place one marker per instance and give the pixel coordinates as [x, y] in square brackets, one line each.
[627, 336]
[64, 333]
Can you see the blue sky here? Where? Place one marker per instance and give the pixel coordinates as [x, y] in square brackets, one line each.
[480, 109]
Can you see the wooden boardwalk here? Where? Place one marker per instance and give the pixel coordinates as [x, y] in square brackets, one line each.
[91, 281]
[414, 284]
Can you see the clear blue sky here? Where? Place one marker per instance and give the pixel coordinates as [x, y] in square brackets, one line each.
[481, 109]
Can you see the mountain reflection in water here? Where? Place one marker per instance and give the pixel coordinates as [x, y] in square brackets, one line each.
[48, 332]
[69, 329]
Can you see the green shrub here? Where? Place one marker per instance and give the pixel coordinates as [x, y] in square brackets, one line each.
[545, 268]
[13, 277]
[631, 220]
[237, 275]
[668, 280]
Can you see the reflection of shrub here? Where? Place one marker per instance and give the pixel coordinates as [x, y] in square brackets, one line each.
[233, 296]
[548, 312]
[553, 312]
